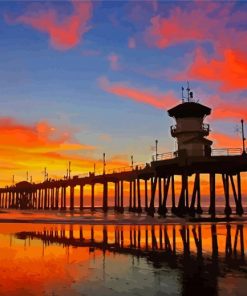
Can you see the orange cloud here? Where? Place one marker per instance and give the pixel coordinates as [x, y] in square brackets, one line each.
[64, 34]
[155, 99]
[30, 148]
[32, 137]
[230, 71]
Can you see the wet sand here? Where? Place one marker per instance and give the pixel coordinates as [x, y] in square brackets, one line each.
[75, 259]
[99, 217]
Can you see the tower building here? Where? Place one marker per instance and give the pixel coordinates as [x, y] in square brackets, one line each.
[190, 129]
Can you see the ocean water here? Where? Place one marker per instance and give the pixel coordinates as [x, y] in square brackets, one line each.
[48, 253]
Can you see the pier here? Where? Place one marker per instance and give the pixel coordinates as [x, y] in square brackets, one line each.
[149, 187]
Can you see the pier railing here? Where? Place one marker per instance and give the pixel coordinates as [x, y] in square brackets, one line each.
[164, 156]
[160, 156]
[135, 167]
[214, 152]
[226, 151]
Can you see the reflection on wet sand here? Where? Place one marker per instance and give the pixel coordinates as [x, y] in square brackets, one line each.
[202, 253]
[144, 240]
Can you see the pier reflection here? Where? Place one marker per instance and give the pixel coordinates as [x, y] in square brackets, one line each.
[201, 253]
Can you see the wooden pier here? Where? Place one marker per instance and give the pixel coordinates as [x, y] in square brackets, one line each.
[156, 182]
[147, 186]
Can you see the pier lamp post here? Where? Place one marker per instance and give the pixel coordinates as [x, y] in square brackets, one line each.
[243, 138]
[94, 168]
[13, 180]
[132, 161]
[104, 164]
[156, 150]
[69, 170]
[45, 174]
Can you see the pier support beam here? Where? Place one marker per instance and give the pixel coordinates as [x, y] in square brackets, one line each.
[211, 210]
[134, 195]
[92, 197]
[63, 198]
[183, 200]
[173, 195]
[160, 195]
[45, 199]
[239, 208]
[139, 208]
[72, 198]
[130, 195]
[105, 196]
[81, 197]
[166, 190]
[122, 196]
[225, 179]
[57, 198]
[116, 198]
[146, 195]
[196, 195]
[151, 209]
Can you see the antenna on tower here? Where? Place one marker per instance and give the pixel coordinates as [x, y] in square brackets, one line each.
[183, 97]
[188, 91]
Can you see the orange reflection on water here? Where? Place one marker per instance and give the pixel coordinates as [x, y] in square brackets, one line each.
[60, 259]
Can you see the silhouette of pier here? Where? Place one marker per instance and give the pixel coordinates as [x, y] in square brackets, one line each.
[145, 186]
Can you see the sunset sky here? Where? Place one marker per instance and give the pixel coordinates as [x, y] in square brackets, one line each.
[79, 78]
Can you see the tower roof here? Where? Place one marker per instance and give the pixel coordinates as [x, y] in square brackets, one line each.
[189, 109]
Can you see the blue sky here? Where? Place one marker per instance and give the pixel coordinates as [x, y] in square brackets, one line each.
[94, 86]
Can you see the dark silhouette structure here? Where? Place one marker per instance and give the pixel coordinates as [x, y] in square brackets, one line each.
[157, 181]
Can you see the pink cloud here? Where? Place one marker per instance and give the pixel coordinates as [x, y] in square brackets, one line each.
[176, 28]
[64, 33]
[203, 22]
[153, 98]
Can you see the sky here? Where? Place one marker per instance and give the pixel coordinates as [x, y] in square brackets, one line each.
[83, 78]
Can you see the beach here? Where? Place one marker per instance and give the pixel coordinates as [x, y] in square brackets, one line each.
[120, 254]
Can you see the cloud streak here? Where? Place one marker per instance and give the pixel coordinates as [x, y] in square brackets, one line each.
[155, 99]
